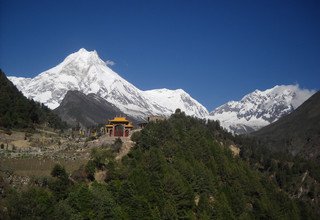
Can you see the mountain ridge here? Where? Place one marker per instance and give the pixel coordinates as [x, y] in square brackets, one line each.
[89, 110]
[260, 108]
[296, 133]
[86, 72]
[16, 111]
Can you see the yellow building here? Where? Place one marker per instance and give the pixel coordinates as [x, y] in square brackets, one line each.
[119, 127]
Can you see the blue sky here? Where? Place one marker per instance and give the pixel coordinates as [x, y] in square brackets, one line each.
[215, 50]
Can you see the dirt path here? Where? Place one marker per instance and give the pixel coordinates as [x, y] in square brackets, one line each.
[48, 132]
[125, 149]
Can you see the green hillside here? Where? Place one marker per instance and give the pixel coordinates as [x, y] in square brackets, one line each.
[180, 168]
[288, 152]
[297, 133]
[16, 111]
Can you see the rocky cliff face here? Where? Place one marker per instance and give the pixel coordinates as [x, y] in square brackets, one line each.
[86, 110]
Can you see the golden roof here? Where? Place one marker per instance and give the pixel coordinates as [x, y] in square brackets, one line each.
[129, 125]
[109, 126]
[119, 119]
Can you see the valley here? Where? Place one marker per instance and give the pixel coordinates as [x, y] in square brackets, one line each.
[159, 110]
[119, 135]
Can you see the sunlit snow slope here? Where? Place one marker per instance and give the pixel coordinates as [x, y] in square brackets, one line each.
[86, 72]
[260, 108]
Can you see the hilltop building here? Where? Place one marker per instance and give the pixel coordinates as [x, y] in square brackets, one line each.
[151, 118]
[119, 127]
[155, 118]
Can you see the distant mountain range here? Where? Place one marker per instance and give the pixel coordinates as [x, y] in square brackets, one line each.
[84, 71]
[260, 108]
[297, 133]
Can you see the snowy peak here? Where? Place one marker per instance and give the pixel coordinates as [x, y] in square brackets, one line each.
[79, 63]
[84, 57]
[288, 96]
[292, 94]
[260, 108]
[173, 99]
[84, 71]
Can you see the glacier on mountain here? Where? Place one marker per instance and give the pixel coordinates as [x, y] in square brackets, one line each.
[260, 108]
[86, 72]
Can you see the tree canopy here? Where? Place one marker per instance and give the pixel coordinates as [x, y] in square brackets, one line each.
[180, 168]
[16, 111]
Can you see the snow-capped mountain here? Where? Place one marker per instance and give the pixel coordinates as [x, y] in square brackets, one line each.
[260, 108]
[173, 99]
[86, 72]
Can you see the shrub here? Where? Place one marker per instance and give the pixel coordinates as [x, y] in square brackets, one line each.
[100, 157]
[135, 137]
[81, 174]
[90, 170]
[59, 172]
[117, 145]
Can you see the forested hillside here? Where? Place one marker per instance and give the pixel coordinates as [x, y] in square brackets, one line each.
[180, 168]
[297, 133]
[288, 151]
[16, 111]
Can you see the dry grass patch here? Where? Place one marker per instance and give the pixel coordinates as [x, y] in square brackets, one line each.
[38, 167]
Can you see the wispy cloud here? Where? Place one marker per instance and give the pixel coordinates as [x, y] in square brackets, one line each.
[110, 63]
